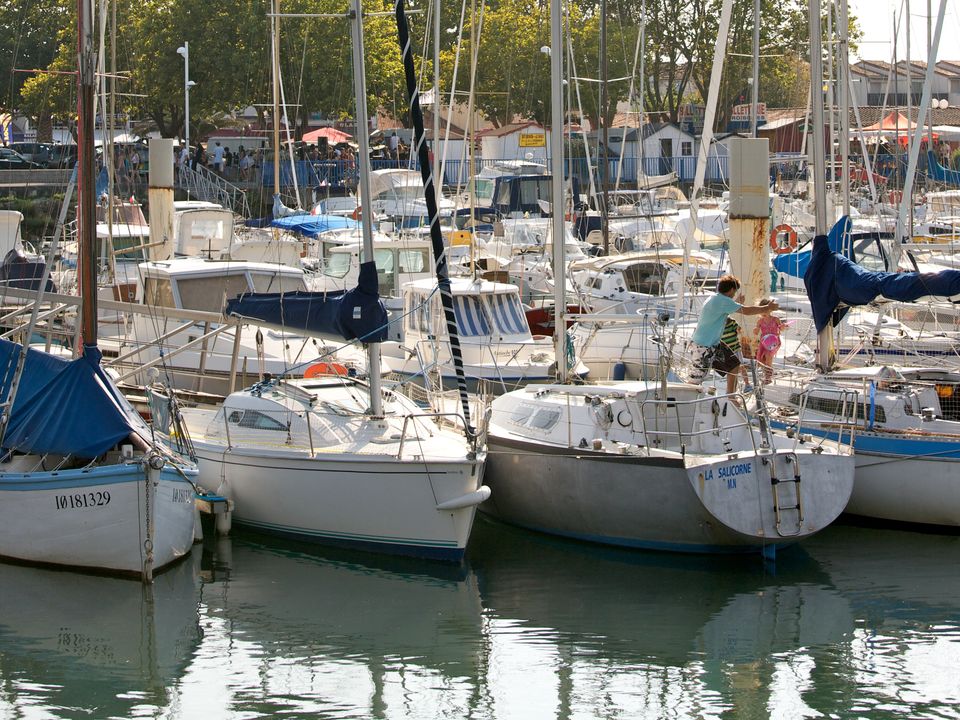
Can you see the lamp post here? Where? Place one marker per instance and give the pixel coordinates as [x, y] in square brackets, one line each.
[184, 51]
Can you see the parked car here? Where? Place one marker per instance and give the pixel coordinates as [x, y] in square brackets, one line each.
[12, 160]
[35, 152]
[62, 156]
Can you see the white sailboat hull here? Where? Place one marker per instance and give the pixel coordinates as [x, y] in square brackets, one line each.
[913, 490]
[95, 518]
[407, 507]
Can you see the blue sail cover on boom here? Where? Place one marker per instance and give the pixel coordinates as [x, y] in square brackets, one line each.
[832, 280]
[66, 407]
[351, 314]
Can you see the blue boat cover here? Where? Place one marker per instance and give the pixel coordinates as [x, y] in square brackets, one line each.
[832, 280]
[313, 225]
[795, 264]
[939, 173]
[351, 314]
[67, 407]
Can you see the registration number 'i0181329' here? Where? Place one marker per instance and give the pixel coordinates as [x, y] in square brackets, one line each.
[83, 500]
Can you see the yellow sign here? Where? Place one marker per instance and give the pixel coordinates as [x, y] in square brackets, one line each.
[533, 140]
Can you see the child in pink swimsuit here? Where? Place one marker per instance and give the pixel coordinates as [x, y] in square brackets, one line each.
[768, 334]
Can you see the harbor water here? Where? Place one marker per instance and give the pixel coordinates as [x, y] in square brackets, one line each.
[855, 623]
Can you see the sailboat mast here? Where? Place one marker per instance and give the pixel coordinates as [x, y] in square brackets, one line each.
[86, 165]
[275, 57]
[556, 216]
[825, 351]
[363, 167]
[430, 196]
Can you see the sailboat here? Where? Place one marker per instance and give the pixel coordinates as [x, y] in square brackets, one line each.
[903, 420]
[331, 459]
[81, 482]
[657, 465]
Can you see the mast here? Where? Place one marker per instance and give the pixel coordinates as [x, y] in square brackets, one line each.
[844, 75]
[86, 164]
[556, 186]
[755, 76]
[430, 195]
[275, 57]
[366, 224]
[825, 351]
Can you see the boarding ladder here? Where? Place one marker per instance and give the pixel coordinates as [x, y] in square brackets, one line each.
[768, 456]
[781, 511]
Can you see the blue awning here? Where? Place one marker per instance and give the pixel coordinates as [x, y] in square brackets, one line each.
[352, 314]
[313, 225]
[67, 407]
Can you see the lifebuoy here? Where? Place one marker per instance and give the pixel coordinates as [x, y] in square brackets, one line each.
[357, 214]
[322, 368]
[778, 247]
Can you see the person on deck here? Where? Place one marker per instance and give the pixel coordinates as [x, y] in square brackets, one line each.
[709, 351]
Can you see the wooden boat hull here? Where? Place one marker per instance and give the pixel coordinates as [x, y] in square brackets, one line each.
[95, 518]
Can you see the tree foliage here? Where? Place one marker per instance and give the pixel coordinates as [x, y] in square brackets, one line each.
[230, 57]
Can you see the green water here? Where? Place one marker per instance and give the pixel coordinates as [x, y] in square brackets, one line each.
[855, 623]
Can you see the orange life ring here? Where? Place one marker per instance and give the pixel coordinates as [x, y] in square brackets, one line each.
[775, 244]
[322, 368]
[357, 214]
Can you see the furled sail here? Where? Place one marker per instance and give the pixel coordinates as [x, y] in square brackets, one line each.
[350, 314]
[835, 283]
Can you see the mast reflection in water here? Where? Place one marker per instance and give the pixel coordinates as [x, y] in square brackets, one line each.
[855, 622]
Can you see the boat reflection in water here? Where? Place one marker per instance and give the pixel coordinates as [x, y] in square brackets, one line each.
[855, 622]
[651, 634]
[322, 632]
[91, 646]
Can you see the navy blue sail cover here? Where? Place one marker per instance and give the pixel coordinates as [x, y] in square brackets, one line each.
[833, 280]
[67, 407]
[352, 314]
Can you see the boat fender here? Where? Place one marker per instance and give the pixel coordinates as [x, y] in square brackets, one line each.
[791, 240]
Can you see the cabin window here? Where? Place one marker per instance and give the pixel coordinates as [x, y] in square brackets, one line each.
[277, 282]
[210, 293]
[386, 271]
[337, 264]
[158, 292]
[471, 318]
[483, 190]
[537, 418]
[413, 261]
[645, 278]
[545, 418]
[419, 313]
[508, 314]
[256, 420]
[686, 148]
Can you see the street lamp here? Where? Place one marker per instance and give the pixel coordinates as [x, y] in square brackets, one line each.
[184, 51]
